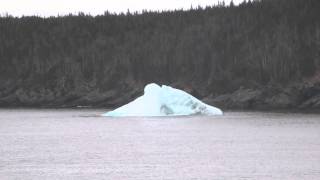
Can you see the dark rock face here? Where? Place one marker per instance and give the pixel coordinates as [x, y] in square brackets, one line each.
[281, 101]
[312, 96]
[240, 99]
[299, 96]
[313, 102]
[59, 98]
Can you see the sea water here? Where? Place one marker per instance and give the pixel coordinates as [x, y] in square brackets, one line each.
[37, 144]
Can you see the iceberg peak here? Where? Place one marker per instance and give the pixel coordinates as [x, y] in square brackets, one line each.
[152, 88]
[164, 101]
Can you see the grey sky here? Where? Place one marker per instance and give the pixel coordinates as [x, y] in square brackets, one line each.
[94, 7]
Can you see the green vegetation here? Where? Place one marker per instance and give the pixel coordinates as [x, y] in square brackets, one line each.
[217, 48]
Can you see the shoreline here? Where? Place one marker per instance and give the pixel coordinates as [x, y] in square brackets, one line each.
[269, 110]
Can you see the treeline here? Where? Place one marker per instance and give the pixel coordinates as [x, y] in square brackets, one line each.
[217, 49]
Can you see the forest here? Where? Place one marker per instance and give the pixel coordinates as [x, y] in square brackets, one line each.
[257, 54]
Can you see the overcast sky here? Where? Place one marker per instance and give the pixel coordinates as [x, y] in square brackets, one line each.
[94, 7]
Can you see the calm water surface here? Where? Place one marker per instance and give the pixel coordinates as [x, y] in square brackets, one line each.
[78, 144]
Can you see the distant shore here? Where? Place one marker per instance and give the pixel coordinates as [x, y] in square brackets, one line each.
[260, 55]
[304, 98]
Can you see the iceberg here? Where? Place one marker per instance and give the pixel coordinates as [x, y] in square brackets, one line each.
[164, 101]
